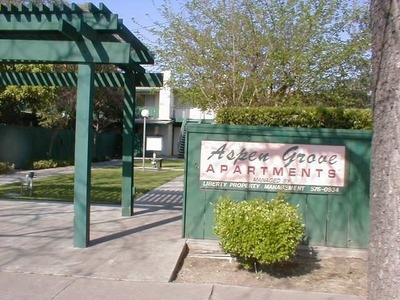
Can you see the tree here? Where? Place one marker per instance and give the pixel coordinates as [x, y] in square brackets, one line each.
[60, 112]
[14, 100]
[108, 103]
[384, 251]
[261, 52]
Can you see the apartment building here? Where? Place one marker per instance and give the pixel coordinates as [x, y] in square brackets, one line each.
[166, 119]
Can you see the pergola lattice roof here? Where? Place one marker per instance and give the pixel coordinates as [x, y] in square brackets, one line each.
[68, 34]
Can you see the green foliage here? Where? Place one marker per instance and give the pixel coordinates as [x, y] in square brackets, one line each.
[6, 167]
[308, 117]
[18, 101]
[258, 231]
[55, 107]
[51, 163]
[253, 53]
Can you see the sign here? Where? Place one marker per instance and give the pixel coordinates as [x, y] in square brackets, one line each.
[296, 168]
[154, 143]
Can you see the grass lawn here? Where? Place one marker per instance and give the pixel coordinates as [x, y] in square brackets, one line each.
[175, 164]
[106, 184]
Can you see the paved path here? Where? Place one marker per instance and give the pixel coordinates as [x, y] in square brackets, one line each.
[129, 257]
[19, 175]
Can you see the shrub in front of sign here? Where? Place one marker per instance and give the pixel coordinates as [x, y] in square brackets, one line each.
[258, 232]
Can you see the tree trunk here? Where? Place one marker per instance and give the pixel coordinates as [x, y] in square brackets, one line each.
[384, 251]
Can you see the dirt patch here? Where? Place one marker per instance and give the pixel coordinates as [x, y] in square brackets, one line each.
[342, 275]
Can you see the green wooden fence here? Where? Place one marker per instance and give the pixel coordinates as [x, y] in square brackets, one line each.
[326, 173]
[22, 145]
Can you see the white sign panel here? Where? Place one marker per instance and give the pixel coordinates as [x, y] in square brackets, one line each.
[154, 143]
[272, 165]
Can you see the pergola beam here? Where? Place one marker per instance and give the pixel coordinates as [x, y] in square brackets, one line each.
[64, 52]
[74, 52]
[71, 80]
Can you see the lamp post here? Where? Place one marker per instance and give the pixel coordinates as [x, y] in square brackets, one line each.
[145, 114]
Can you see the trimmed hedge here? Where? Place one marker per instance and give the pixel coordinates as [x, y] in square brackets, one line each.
[308, 117]
[6, 167]
[51, 163]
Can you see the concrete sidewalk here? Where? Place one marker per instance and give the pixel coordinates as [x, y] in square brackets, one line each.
[40, 287]
[129, 257]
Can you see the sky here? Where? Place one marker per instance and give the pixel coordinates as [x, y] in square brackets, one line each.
[144, 12]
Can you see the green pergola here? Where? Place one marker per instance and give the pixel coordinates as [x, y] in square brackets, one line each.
[70, 34]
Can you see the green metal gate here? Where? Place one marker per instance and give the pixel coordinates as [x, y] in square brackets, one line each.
[334, 215]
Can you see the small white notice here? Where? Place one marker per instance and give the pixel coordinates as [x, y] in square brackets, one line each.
[154, 143]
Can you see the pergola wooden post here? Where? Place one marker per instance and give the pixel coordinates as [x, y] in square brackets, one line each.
[63, 34]
[128, 188]
[83, 154]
